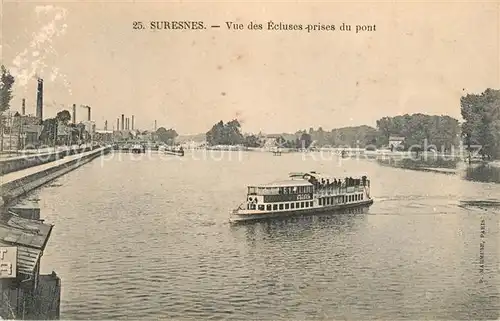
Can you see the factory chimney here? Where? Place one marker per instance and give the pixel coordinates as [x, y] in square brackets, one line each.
[74, 113]
[118, 124]
[88, 109]
[155, 124]
[132, 122]
[123, 121]
[105, 125]
[39, 100]
[23, 110]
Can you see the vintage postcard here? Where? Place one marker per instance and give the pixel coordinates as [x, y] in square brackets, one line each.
[280, 160]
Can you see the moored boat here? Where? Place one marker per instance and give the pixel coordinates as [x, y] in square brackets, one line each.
[303, 194]
[172, 150]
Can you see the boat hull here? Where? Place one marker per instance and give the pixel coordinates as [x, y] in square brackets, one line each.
[175, 153]
[335, 209]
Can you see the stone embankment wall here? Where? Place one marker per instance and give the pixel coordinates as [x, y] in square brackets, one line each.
[22, 162]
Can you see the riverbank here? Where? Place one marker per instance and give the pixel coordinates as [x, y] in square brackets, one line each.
[18, 183]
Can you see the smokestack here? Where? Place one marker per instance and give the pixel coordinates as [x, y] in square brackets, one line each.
[39, 100]
[105, 125]
[74, 113]
[88, 109]
[123, 121]
[132, 122]
[118, 124]
[126, 123]
[155, 124]
[23, 109]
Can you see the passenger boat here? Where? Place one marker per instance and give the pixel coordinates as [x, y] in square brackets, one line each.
[137, 149]
[170, 150]
[303, 194]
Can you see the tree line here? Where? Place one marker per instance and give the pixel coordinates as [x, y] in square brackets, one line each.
[481, 113]
[418, 129]
[481, 126]
[230, 134]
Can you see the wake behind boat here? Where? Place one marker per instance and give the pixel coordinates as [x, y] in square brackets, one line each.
[303, 194]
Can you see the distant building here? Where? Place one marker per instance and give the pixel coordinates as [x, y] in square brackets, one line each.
[103, 135]
[89, 126]
[396, 142]
[27, 130]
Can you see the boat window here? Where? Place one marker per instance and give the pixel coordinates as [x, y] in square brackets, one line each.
[292, 205]
[252, 191]
[301, 204]
[275, 207]
[297, 205]
[261, 207]
[280, 190]
[281, 206]
[320, 201]
[311, 204]
[362, 196]
[268, 207]
[307, 204]
[287, 206]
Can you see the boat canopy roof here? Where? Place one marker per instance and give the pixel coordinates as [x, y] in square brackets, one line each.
[319, 176]
[285, 183]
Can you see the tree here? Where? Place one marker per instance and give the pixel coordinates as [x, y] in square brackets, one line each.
[305, 141]
[166, 136]
[6, 83]
[63, 116]
[251, 141]
[225, 134]
[49, 131]
[482, 121]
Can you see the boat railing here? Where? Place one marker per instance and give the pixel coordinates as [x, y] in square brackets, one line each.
[340, 190]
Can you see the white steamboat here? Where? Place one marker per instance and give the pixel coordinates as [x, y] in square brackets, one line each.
[303, 194]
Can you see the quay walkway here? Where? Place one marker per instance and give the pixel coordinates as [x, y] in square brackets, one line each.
[15, 184]
[28, 158]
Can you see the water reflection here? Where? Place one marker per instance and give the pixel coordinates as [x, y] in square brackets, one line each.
[483, 173]
[301, 227]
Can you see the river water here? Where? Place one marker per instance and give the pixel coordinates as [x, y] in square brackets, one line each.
[148, 237]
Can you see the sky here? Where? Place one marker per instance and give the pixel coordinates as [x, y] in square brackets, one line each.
[421, 58]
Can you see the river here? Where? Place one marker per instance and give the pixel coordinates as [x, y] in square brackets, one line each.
[148, 237]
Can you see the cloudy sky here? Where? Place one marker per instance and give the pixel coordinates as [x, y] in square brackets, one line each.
[422, 58]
